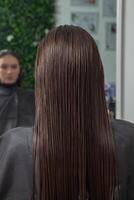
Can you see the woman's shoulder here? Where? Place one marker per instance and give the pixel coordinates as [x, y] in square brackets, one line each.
[16, 164]
[16, 139]
[122, 123]
[123, 129]
[123, 132]
[17, 133]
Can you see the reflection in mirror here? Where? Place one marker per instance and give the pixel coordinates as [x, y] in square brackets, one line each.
[16, 103]
[99, 18]
[22, 25]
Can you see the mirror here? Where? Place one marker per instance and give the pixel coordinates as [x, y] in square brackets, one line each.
[99, 18]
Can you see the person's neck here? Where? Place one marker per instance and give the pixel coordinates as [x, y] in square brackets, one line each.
[8, 86]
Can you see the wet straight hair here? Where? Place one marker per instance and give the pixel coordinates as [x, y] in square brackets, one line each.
[73, 142]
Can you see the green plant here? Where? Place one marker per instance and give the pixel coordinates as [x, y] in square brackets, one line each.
[22, 24]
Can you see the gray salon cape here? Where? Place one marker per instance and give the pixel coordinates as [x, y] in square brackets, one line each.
[16, 107]
[16, 161]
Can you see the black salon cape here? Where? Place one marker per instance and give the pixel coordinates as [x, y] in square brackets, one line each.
[16, 161]
[16, 107]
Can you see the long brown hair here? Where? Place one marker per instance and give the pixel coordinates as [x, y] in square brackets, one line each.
[73, 142]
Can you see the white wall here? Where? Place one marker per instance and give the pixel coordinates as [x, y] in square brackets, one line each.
[64, 10]
[125, 95]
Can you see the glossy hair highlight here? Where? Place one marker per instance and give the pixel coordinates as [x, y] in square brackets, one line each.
[73, 141]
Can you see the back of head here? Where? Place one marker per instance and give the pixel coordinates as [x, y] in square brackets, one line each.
[73, 139]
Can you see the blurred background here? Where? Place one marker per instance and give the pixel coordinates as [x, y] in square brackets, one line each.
[23, 23]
